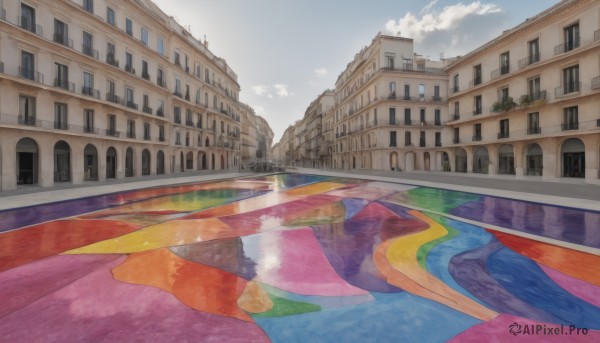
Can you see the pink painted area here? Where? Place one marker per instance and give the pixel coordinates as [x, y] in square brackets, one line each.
[25, 284]
[581, 289]
[292, 260]
[498, 330]
[97, 308]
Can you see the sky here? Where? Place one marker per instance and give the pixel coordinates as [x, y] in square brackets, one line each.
[287, 52]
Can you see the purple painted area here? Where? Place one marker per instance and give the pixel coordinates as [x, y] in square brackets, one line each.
[97, 308]
[579, 288]
[353, 206]
[23, 285]
[470, 271]
[225, 254]
[565, 224]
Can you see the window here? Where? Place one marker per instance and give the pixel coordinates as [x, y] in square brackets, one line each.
[392, 90]
[61, 33]
[407, 139]
[27, 65]
[393, 139]
[88, 5]
[436, 93]
[177, 61]
[88, 121]
[421, 92]
[161, 133]
[110, 16]
[392, 116]
[129, 63]
[144, 36]
[456, 110]
[188, 118]
[477, 132]
[129, 26]
[129, 96]
[177, 115]
[504, 63]
[110, 91]
[533, 87]
[504, 132]
[571, 79]
[198, 96]
[160, 78]
[223, 127]
[477, 75]
[422, 142]
[533, 48]
[160, 108]
[422, 116]
[571, 36]
[112, 125]
[178, 88]
[27, 18]
[533, 123]
[177, 138]
[130, 128]
[160, 46]
[60, 116]
[478, 105]
[438, 139]
[145, 74]
[62, 76]
[88, 84]
[438, 117]
[390, 62]
[407, 119]
[147, 131]
[503, 96]
[456, 136]
[455, 80]
[88, 45]
[571, 118]
[26, 110]
[407, 92]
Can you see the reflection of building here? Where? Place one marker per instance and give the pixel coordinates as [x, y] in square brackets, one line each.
[109, 89]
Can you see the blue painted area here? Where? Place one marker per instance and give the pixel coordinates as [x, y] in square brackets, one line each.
[527, 281]
[353, 206]
[390, 318]
[470, 237]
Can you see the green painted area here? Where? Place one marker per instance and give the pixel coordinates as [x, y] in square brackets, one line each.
[207, 198]
[283, 307]
[438, 200]
[426, 248]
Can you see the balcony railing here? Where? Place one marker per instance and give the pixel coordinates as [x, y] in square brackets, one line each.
[113, 133]
[129, 69]
[89, 91]
[596, 82]
[456, 140]
[61, 125]
[29, 25]
[110, 59]
[436, 98]
[90, 129]
[27, 120]
[146, 137]
[502, 135]
[476, 138]
[88, 50]
[566, 47]
[477, 111]
[455, 116]
[438, 144]
[161, 82]
[422, 143]
[503, 70]
[160, 112]
[178, 94]
[189, 123]
[534, 130]
[132, 105]
[529, 60]
[31, 74]
[187, 96]
[113, 98]
[131, 134]
[145, 75]
[567, 89]
[146, 109]
[455, 89]
[64, 84]
[569, 126]
[63, 39]
[161, 138]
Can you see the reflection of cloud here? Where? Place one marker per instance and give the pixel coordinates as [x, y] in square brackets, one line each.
[455, 30]
[321, 72]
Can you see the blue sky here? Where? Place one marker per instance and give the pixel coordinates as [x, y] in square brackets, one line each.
[287, 52]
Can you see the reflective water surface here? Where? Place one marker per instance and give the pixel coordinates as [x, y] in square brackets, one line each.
[294, 257]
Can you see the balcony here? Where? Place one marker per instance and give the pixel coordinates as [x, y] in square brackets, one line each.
[89, 51]
[570, 126]
[438, 144]
[534, 130]
[567, 89]
[146, 136]
[502, 135]
[187, 96]
[160, 112]
[145, 75]
[455, 89]
[161, 82]
[27, 120]
[566, 47]
[90, 129]
[161, 138]
[475, 82]
[129, 68]
[199, 125]
[30, 74]
[113, 133]
[89, 91]
[477, 111]
[503, 70]
[436, 98]
[147, 109]
[529, 60]
[189, 123]
[110, 59]
[131, 105]
[503, 105]
[113, 98]
[131, 134]
[455, 116]
[596, 82]
[537, 98]
[178, 94]
[476, 138]
[27, 24]
[422, 143]
[61, 125]
[456, 140]
[63, 39]
[64, 84]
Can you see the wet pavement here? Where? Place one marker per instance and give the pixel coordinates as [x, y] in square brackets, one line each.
[296, 258]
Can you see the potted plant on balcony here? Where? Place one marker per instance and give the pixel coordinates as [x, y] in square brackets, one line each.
[524, 101]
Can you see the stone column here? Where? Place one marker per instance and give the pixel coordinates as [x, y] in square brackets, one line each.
[494, 159]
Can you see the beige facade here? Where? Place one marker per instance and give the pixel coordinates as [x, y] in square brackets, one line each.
[527, 102]
[93, 90]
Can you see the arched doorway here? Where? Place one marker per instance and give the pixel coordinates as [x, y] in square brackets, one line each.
[213, 161]
[27, 162]
[222, 162]
[461, 160]
[111, 163]
[481, 160]
[145, 162]
[506, 160]
[394, 160]
[426, 161]
[181, 162]
[160, 163]
[129, 165]
[534, 160]
[207, 142]
[573, 158]
[189, 161]
[62, 162]
[446, 162]
[90, 163]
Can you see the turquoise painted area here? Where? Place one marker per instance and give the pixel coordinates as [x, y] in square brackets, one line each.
[438, 200]
[469, 237]
[392, 317]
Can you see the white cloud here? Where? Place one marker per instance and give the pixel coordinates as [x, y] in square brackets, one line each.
[259, 90]
[281, 90]
[321, 72]
[456, 29]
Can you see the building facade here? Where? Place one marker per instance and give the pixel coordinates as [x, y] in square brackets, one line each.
[99, 89]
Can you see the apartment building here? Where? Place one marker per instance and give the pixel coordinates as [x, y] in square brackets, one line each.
[527, 103]
[99, 89]
[264, 139]
[390, 108]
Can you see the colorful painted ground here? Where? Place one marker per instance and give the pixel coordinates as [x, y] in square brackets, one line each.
[296, 258]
